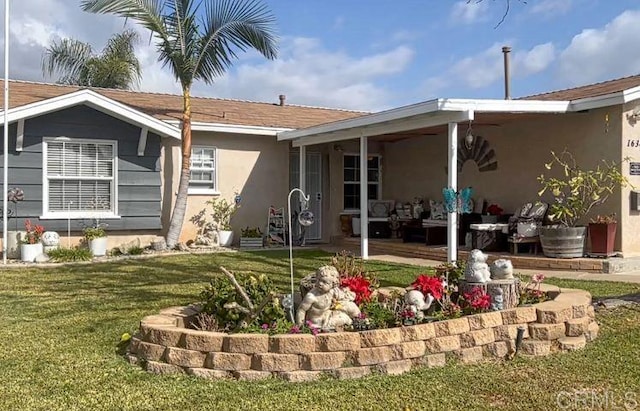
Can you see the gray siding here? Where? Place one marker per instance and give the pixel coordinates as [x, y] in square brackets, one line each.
[139, 184]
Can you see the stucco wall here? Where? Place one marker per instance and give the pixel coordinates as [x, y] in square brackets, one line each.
[628, 219]
[256, 167]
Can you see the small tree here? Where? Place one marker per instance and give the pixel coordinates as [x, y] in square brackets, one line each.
[579, 190]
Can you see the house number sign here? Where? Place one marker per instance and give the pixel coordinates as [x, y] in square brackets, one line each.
[634, 169]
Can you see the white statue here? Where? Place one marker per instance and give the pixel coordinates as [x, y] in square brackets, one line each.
[417, 303]
[50, 240]
[502, 269]
[327, 306]
[477, 270]
[497, 299]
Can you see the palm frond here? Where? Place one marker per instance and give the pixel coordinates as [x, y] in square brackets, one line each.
[233, 25]
[146, 12]
[68, 57]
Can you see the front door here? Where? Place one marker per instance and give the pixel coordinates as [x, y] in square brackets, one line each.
[313, 189]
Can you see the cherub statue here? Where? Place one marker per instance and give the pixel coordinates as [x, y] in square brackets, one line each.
[326, 305]
[477, 270]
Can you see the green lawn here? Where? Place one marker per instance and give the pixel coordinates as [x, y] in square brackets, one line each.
[59, 328]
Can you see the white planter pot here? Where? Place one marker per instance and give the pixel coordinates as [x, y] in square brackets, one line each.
[225, 238]
[13, 243]
[29, 252]
[98, 246]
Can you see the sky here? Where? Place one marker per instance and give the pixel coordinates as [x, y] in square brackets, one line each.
[374, 55]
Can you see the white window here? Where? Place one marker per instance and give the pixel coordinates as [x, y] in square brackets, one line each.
[80, 178]
[351, 193]
[203, 171]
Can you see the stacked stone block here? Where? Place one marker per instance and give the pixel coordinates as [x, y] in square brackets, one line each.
[163, 344]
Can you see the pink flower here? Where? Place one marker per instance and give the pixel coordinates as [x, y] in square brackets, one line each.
[294, 330]
[538, 278]
[265, 326]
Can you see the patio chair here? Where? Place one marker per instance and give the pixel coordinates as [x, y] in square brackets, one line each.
[528, 218]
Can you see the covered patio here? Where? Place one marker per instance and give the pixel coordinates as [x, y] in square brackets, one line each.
[424, 122]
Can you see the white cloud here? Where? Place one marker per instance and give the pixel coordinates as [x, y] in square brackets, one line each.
[550, 8]
[469, 12]
[487, 67]
[598, 54]
[310, 74]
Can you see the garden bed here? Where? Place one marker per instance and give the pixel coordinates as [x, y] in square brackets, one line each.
[165, 344]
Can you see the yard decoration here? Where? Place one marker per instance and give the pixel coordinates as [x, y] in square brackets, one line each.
[576, 192]
[326, 305]
[14, 238]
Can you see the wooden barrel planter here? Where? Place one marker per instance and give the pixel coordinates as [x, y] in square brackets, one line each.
[563, 242]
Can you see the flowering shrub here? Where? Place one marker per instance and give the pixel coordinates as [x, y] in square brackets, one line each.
[476, 300]
[360, 286]
[531, 292]
[34, 233]
[429, 285]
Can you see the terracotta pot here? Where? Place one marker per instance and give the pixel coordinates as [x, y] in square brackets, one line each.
[602, 238]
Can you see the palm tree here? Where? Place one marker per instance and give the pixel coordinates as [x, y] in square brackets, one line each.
[116, 67]
[196, 46]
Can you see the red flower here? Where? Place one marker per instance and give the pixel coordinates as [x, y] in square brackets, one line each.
[429, 285]
[360, 286]
[478, 299]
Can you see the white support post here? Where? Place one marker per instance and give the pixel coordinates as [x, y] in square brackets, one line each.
[452, 223]
[364, 203]
[303, 168]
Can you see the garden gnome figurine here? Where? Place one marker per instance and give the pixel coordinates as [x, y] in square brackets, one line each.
[477, 270]
[417, 303]
[326, 306]
[502, 269]
[497, 299]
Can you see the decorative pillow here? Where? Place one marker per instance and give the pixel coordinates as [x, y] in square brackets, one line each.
[437, 210]
[379, 208]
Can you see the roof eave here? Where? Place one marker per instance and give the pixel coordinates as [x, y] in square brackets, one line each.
[98, 102]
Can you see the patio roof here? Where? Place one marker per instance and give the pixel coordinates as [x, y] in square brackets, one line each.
[439, 112]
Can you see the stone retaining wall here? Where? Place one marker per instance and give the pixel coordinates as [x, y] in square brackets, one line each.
[164, 345]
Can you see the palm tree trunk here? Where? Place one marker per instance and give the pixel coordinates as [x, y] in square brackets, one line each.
[180, 207]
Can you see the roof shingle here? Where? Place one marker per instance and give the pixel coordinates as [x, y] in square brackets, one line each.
[206, 110]
[591, 90]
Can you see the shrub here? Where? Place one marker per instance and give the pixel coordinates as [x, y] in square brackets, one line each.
[379, 315]
[220, 299]
[91, 233]
[63, 255]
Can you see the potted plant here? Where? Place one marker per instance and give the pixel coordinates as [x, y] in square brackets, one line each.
[602, 233]
[31, 246]
[576, 192]
[96, 238]
[221, 214]
[251, 238]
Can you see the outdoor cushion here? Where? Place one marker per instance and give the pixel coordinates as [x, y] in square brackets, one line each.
[437, 210]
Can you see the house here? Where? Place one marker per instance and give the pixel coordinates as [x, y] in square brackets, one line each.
[69, 147]
[253, 149]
